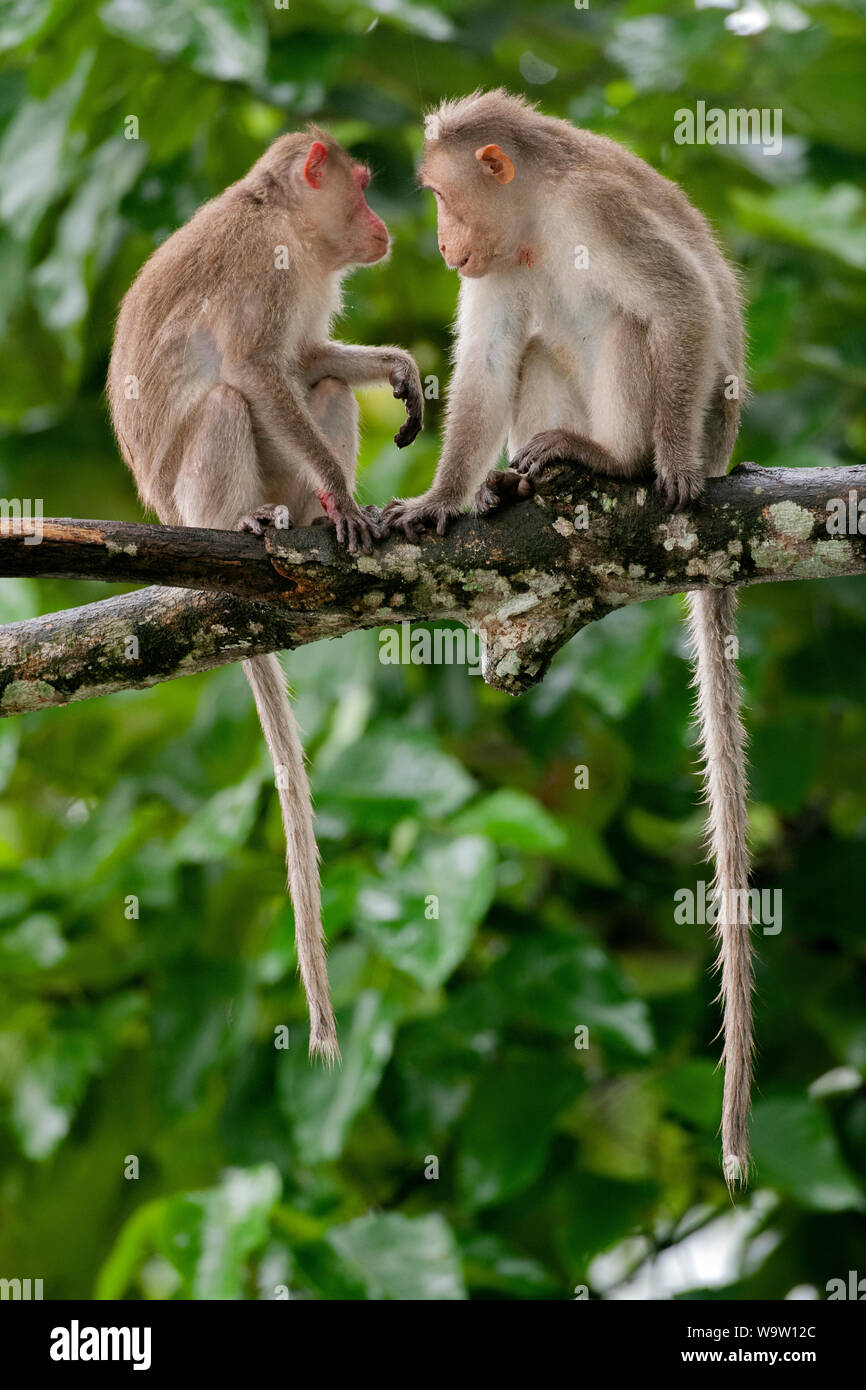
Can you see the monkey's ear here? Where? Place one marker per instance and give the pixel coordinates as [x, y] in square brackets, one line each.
[495, 163]
[315, 164]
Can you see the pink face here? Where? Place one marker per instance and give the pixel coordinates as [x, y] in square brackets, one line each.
[372, 231]
[476, 220]
[351, 230]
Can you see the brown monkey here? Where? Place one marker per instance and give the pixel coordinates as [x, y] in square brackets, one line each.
[232, 408]
[598, 323]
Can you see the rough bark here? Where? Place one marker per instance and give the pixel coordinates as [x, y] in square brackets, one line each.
[525, 580]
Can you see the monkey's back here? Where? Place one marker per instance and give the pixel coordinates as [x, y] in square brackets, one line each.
[208, 292]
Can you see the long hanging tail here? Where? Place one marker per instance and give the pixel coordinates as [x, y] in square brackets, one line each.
[712, 614]
[268, 685]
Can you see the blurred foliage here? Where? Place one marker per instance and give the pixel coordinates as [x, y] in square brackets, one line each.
[155, 1142]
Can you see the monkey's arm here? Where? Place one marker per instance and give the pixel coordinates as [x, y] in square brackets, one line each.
[280, 412]
[490, 345]
[358, 366]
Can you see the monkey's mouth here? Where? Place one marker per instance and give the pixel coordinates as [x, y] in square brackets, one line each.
[379, 247]
[474, 266]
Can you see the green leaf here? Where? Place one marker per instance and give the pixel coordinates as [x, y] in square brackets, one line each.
[398, 1257]
[37, 153]
[694, 1092]
[220, 825]
[795, 1149]
[558, 984]
[89, 223]
[226, 39]
[323, 1102]
[509, 1124]
[36, 943]
[832, 220]
[510, 817]
[593, 1213]
[208, 1236]
[392, 773]
[21, 20]
[611, 661]
[491, 1264]
[394, 910]
[49, 1088]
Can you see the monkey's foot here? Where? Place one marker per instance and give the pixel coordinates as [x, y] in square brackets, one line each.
[500, 487]
[413, 513]
[561, 446]
[680, 488]
[357, 527]
[406, 385]
[268, 515]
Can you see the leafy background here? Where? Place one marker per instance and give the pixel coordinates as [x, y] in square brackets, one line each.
[154, 1037]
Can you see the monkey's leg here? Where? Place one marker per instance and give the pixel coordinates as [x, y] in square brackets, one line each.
[334, 408]
[294, 445]
[288, 497]
[611, 436]
[721, 427]
[219, 478]
[681, 364]
[549, 415]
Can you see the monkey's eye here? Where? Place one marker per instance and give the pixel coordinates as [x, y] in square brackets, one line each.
[363, 176]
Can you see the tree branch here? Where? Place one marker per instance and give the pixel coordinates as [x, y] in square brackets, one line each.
[525, 580]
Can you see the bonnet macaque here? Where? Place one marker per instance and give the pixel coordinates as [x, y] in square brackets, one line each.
[598, 324]
[233, 408]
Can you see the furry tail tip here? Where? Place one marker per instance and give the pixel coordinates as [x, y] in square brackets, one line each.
[323, 1043]
[736, 1171]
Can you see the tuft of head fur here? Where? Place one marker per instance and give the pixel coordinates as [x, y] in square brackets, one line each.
[501, 118]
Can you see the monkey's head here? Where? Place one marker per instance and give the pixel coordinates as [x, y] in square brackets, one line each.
[483, 158]
[321, 182]
[479, 221]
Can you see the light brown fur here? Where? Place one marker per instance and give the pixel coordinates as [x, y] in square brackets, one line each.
[625, 360]
[233, 408]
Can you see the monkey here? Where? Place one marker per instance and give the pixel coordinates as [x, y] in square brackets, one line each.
[598, 323]
[234, 409]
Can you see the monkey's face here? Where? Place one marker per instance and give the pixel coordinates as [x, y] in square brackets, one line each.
[333, 189]
[479, 221]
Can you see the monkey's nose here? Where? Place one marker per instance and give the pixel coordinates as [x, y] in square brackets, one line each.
[463, 262]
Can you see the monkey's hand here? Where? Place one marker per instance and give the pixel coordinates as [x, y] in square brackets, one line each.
[266, 515]
[357, 527]
[500, 487]
[406, 384]
[413, 513]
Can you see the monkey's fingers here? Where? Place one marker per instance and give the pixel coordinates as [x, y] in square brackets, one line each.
[679, 489]
[266, 515]
[411, 426]
[355, 529]
[397, 516]
[373, 517]
[406, 385]
[501, 486]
